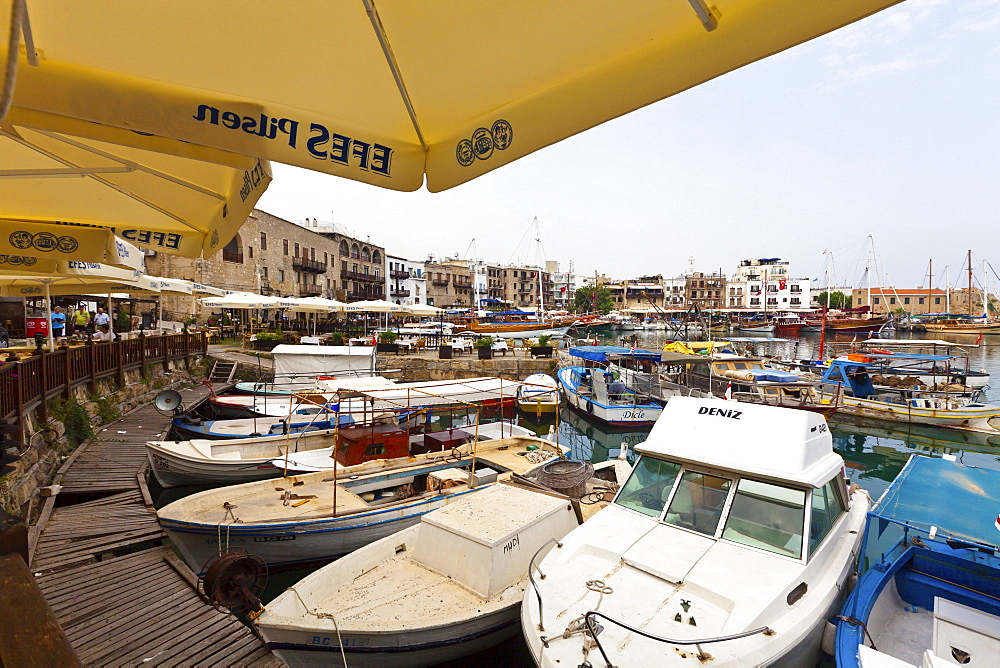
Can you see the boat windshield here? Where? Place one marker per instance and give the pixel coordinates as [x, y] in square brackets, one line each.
[697, 504]
[767, 516]
[648, 487]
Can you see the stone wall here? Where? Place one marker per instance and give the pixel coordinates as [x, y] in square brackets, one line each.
[48, 446]
[413, 369]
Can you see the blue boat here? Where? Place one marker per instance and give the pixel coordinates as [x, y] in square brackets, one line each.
[191, 427]
[929, 587]
[593, 392]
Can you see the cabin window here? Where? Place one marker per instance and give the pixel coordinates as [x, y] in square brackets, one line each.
[375, 450]
[827, 507]
[739, 366]
[767, 516]
[697, 503]
[648, 487]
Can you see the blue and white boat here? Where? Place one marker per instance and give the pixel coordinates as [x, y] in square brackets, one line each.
[589, 389]
[929, 587]
[192, 427]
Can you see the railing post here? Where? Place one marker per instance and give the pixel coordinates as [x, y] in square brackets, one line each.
[91, 364]
[120, 359]
[164, 343]
[187, 349]
[20, 394]
[69, 373]
[44, 384]
[142, 353]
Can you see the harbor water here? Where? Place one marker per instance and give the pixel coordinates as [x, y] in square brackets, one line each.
[874, 452]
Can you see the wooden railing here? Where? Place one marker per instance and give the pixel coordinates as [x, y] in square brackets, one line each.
[29, 383]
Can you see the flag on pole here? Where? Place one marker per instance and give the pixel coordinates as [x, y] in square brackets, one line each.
[729, 390]
[980, 339]
[632, 349]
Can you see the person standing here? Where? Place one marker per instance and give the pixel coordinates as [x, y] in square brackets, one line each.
[81, 318]
[58, 324]
[101, 318]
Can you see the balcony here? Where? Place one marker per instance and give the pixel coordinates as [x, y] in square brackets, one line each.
[462, 282]
[441, 280]
[359, 276]
[399, 273]
[310, 289]
[305, 264]
[365, 292]
[398, 292]
[232, 256]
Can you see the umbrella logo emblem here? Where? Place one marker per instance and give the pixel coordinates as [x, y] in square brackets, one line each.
[44, 241]
[484, 140]
[20, 240]
[67, 244]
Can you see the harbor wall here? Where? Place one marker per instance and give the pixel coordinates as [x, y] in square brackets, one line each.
[52, 436]
[414, 369]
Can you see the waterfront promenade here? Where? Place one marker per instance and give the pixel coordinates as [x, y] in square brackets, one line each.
[98, 554]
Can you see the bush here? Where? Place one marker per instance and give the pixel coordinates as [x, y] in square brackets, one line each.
[485, 342]
[337, 339]
[544, 339]
[75, 420]
[387, 337]
[270, 336]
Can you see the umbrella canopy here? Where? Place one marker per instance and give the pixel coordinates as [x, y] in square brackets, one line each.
[240, 300]
[163, 202]
[374, 306]
[199, 289]
[398, 89]
[423, 309]
[312, 304]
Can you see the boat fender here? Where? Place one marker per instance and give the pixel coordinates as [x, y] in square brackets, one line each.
[326, 378]
[882, 351]
[829, 642]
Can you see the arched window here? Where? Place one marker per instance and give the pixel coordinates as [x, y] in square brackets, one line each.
[355, 251]
[366, 255]
[343, 249]
[376, 257]
[233, 251]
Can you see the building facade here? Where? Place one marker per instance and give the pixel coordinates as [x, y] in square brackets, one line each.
[449, 283]
[405, 281]
[766, 284]
[705, 291]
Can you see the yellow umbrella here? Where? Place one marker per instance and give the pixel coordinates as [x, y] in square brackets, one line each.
[162, 202]
[382, 91]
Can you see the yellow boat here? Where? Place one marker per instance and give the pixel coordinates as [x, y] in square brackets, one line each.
[539, 394]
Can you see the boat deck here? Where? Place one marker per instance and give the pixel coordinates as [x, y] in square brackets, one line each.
[264, 501]
[121, 596]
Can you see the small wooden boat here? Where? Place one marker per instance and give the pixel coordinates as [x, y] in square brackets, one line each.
[539, 394]
[929, 587]
[589, 389]
[319, 516]
[851, 325]
[438, 591]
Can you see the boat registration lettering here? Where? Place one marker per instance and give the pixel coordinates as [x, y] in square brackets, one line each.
[327, 641]
[272, 539]
[635, 415]
[161, 462]
[721, 412]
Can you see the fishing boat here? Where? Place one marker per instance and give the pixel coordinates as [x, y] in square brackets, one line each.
[845, 325]
[319, 516]
[539, 394]
[185, 426]
[848, 382]
[443, 589]
[961, 325]
[788, 324]
[590, 391]
[755, 325]
[514, 325]
[297, 368]
[928, 591]
[730, 543]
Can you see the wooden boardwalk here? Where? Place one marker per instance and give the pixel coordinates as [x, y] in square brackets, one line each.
[121, 595]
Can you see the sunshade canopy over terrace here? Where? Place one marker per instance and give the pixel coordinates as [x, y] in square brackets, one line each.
[240, 300]
[163, 202]
[397, 89]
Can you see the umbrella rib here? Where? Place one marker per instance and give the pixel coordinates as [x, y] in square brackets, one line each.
[394, 67]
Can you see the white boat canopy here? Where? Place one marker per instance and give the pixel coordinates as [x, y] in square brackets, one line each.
[292, 360]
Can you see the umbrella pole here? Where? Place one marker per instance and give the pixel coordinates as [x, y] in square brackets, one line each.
[111, 318]
[48, 306]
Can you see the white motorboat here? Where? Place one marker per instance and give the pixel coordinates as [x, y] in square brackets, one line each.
[445, 588]
[322, 515]
[731, 542]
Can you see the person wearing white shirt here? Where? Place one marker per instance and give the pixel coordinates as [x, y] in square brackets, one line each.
[101, 319]
[104, 334]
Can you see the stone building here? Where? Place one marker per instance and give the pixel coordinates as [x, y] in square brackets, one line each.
[449, 283]
[273, 256]
[705, 290]
[916, 301]
[522, 287]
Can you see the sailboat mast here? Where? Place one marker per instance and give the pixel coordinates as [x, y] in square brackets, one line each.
[930, 282]
[868, 272]
[947, 289]
[970, 283]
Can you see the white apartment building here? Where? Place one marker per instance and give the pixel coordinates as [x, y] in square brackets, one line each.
[406, 283]
[765, 284]
[564, 285]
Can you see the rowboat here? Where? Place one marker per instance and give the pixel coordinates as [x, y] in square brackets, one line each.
[319, 516]
[539, 394]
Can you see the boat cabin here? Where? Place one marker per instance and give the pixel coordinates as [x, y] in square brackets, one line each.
[722, 489]
[389, 441]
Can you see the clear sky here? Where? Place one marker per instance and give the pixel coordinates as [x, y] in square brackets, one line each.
[888, 127]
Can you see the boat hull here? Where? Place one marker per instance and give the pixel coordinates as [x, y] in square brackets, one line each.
[976, 417]
[286, 543]
[415, 648]
[617, 415]
[173, 471]
[846, 326]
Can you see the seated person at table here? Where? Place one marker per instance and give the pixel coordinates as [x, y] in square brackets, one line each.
[104, 333]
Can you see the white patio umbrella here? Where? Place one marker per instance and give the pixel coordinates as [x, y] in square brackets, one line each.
[375, 306]
[246, 300]
[423, 309]
[311, 305]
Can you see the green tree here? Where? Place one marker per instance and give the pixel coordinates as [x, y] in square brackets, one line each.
[837, 299]
[588, 299]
